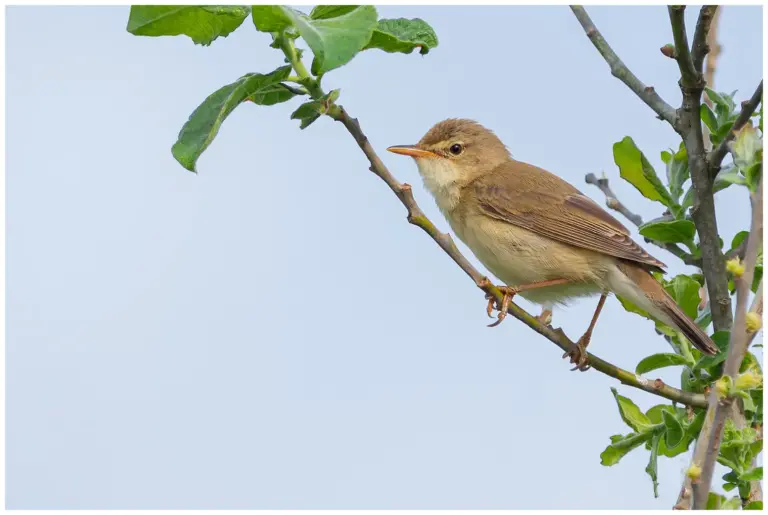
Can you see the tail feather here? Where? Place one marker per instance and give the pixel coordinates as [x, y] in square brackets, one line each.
[655, 299]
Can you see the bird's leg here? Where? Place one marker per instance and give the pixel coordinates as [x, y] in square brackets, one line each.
[578, 355]
[509, 293]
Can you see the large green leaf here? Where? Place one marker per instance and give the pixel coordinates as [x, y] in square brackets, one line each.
[202, 23]
[685, 291]
[669, 230]
[621, 445]
[335, 41]
[656, 361]
[631, 414]
[708, 117]
[635, 169]
[677, 170]
[271, 95]
[270, 18]
[204, 122]
[403, 35]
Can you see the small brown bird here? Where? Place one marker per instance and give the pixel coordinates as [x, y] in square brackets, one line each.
[541, 236]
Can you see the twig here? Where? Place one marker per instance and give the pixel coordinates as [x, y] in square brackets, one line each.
[619, 70]
[417, 217]
[747, 110]
[714, 52]
[700, 46]
[614, 203]
[690, 77]
[739, 340]
[703, 210]
[757, 308]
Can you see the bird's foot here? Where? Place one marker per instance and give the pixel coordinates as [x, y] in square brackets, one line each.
[509, 294]
[545, 317]
[578, 355]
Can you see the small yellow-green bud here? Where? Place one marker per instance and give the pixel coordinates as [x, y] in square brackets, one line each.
[754, 322]
[749, 380]
[723, 387]
[694, 471]
[735, 267]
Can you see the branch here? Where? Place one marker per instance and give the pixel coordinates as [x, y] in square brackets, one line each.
[714, 53]
[619, 70]
[690, 77]
[703, 210]
[614, 203]
[737, 348]
[700, 47]
[748, 108]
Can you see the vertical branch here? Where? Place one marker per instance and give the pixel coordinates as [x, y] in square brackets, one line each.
[719, 408]
[689, 128]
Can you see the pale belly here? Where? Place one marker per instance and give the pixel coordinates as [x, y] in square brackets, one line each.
[518, 257]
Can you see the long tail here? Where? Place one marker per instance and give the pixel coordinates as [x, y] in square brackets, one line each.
[650, 295]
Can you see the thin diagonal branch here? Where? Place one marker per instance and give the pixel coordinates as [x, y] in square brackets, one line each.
[614, 203]
[700, 47]
[619, 70]
[715, 158]
[719, 408]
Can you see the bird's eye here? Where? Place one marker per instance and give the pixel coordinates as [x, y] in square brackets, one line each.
[456, 149]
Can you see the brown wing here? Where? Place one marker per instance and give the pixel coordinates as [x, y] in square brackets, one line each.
[541, 202]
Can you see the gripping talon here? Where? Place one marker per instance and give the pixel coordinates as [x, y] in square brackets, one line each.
[509, 294]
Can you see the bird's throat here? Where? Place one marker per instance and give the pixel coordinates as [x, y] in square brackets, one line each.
[443, 180]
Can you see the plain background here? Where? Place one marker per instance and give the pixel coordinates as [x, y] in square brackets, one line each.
[271, 333]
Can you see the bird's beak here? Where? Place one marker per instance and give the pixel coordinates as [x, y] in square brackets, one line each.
[411, 150]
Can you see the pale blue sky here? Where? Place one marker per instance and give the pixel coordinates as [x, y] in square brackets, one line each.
[271, 333]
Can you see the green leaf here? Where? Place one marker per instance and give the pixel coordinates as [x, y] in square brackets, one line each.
[731, 504]
[620, 446]
[335, 41]
[714, 501]
[677, 171]
[652, 468]
[721, 340]
[669, 230]
[204, 122]
[631, 414]
[753, 173]
[756, 474]
[746, 146]
[635, 169]
[754, 505]
[271, 95]
[202, 23]
[403, 35]
[728, 175]
[657, 361]
[323, 12]
[687, 200]
[654, 413]
[705, 318]
[739, 239]
[674, 433]
[728, 487]
[708, 117]
[270, 18]
[308, 112]
[685, 291]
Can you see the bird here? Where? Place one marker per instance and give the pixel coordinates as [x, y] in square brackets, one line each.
[545, 239]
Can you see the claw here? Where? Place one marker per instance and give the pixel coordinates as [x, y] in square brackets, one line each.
[509, 294]
[578, 355]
